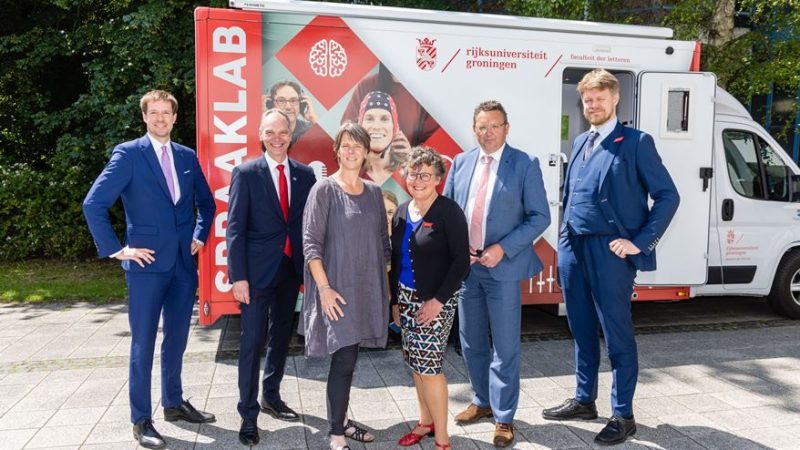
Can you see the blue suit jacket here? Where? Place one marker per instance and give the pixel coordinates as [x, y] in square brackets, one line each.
[256, 228]
[153, 221]
[518, 211]
[630, 171]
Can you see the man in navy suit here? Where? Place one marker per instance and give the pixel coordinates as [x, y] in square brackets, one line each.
[608, 233]
[265, 265]
[502, 194]
[161, 184]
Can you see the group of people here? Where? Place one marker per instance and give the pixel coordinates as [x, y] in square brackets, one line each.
[463, 252]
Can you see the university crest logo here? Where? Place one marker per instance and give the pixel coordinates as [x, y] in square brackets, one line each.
[426, 53]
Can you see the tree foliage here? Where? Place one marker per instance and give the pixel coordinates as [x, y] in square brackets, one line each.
[71, 74]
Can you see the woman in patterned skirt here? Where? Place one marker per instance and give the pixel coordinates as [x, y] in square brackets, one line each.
[430, 258]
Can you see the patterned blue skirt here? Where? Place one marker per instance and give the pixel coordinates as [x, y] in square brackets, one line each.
[424, 345]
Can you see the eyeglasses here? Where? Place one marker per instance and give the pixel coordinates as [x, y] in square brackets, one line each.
[494, 127]
[280, 101]
[422, 176]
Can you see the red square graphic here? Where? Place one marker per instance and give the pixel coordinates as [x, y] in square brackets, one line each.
[327, 58]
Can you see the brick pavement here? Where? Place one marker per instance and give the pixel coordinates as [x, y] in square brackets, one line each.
[63, 384]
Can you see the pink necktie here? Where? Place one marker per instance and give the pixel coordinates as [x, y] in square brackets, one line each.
[476, 221]
[166, 167]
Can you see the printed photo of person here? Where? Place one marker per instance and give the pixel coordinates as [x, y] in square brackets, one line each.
[289, 97]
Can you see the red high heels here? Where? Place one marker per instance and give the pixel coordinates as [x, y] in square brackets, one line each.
[413, 438]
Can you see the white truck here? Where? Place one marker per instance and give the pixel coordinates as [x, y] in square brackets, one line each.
[736, 231]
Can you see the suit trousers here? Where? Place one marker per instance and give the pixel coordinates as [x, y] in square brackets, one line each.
[151, 295]
[267, 320]
[488, 306]
[597, 288]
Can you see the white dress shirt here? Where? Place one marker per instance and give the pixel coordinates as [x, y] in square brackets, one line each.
[273, 171]
[604, 130]
[473, 187]
[157, 147]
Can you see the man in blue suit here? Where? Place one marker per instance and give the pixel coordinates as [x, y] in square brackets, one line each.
[161, 185]
[265, 265]
[502, 194]
[608, 233]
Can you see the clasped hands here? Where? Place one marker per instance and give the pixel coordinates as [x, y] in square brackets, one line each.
[489, 257]
[426, 314]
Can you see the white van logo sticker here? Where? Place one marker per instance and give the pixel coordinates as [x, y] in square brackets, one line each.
[426, 53]
[327, 58]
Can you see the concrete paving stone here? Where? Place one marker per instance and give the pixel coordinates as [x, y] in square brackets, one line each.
[552, 397]
[742, 399]
[409, 409]
[734, 420]
[49, 437]
[222, 405]
[80, 416]
[223, 390]
[710, 384]
[781, 377]
[46, 396]
[116, 413]
[16, 391]
[375, 411]
[15, 331]
[646, 391]
[111, 432]
[692, 423]
[219, 439]
[16, 439]
[68, 376]
[701, 402]
[529, 418]
[552, 435]
[403, 392]
[484, 425]
[659, 406]
[720, 440]
[776, 416]
[526, 400]
[18, 378]
[95, 393]
[105, 373]
[130, 445]
[25, 419]
[778, 438]
[536, 383]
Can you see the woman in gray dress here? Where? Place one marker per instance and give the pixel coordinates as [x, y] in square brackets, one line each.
[346, 248]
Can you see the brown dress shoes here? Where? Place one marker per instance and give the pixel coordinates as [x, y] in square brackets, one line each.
[472, 414]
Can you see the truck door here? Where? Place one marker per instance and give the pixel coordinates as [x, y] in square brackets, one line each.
[677, 109]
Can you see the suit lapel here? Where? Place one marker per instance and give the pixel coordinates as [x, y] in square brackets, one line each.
[297, 184]
[470, 160]
[611, 146]
[181, 166]
[504, 165]
[269, 185]
[150, 156]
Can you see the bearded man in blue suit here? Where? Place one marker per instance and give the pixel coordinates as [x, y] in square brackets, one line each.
[608, 233]
[161, 185]
[501, 191]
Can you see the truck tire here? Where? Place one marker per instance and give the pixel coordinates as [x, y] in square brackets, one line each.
[784, 298]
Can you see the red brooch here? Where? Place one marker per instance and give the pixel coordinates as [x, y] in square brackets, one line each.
[619, 139]
[427, 224]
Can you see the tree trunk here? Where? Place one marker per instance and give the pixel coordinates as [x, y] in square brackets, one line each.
[721, 31]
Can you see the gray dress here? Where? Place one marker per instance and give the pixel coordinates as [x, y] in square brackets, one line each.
[349, 234]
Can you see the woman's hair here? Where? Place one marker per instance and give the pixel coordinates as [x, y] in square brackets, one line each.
[425, 156]
[389, 195]
[356, 133]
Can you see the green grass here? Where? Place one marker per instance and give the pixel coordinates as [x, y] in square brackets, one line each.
[51, 281]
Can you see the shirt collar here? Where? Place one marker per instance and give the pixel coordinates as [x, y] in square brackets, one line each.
[157, 145]
[496, 156]
[605, 129]
[273, 165]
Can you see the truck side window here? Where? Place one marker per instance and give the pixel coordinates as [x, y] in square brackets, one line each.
[754, 168]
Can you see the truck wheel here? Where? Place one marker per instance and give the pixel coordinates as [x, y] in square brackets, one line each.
[784, 298]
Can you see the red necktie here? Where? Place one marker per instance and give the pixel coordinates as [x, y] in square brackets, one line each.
[283, 193]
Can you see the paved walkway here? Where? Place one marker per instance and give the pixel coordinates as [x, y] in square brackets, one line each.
[63, 384]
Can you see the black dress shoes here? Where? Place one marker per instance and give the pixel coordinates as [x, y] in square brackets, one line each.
[571, 409]
[279, 410]
[616, 431]
[147, 436]
[188, 413]
[248, 433]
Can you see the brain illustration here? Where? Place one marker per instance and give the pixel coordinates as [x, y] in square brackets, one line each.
[327, 58]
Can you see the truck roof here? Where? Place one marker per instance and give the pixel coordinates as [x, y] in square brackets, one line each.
[454, 18]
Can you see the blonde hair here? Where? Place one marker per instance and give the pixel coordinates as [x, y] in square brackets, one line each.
[599, 79]
[158, 95]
